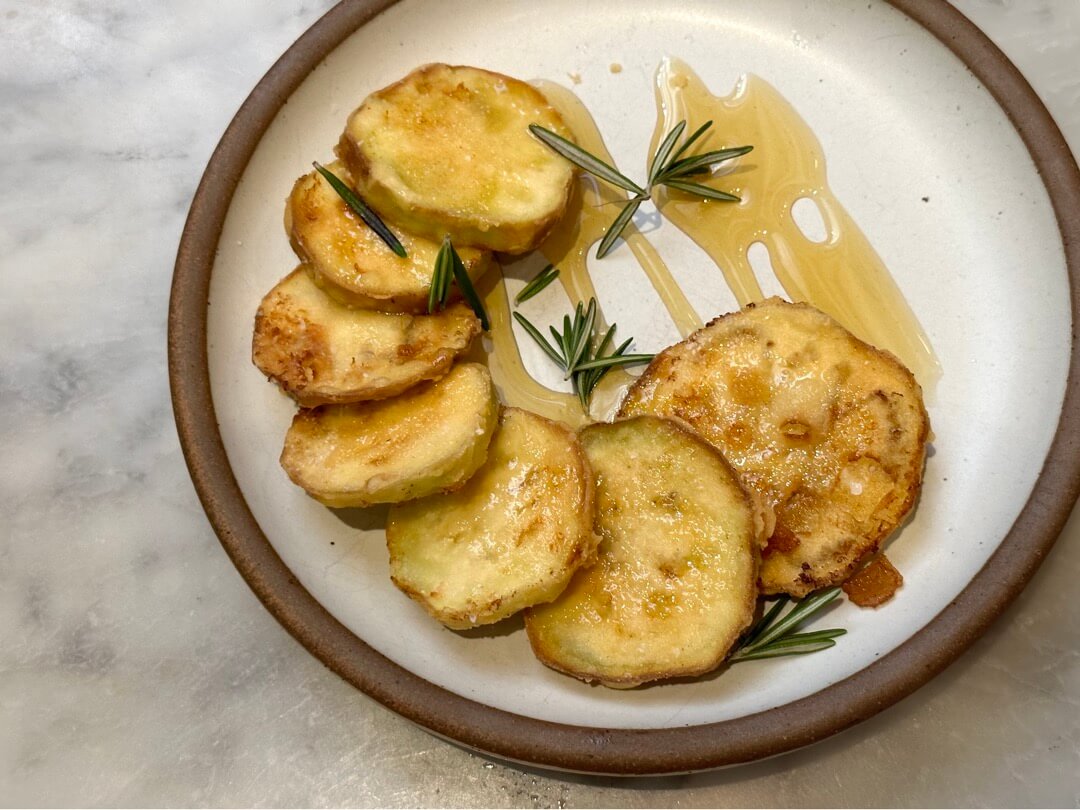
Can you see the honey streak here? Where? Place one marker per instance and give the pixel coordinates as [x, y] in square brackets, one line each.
[842, 275]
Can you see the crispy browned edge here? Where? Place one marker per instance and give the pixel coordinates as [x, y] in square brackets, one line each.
[870, 543]
[284, 363]
[354, 295]
[306, 416]
[579, 556]
[525, 235]
[579, 748]
[541, 651]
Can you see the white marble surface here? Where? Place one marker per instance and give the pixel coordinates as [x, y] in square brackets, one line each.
[135, 665]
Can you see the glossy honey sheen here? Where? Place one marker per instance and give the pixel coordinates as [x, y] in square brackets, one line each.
[842, 276]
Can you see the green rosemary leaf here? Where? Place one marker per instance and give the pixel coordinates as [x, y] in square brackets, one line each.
[361, 210]
[701, 191]
[440, 278]
[592, 376]
[538, 283]
[617, 227]
[777, 652]
[566, 336]
[615, 360]
[690, 141]
[795, 639]
[579, 157]
[659, 160]
[702, 162]
[468, 291]
[797, 615]
[773, 635]
[534, 333]
[583, 333]
[765, 620]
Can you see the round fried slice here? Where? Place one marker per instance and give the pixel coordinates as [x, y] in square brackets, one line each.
[675, 582]
[322, 352]
[430, 439]
[351, 262]
[511, 537]
[829, 431]
[447, 150]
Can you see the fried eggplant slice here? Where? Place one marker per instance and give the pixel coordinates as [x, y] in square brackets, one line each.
[351, 262]
[512, 537]
[675, 582]
[322, 352]
[829, 431]
[430, 439]
[447, 150]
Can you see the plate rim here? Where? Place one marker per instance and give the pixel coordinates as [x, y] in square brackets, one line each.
[624, 751]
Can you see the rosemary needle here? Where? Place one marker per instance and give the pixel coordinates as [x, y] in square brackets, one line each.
[448, 266]
[361, 210]
[538, 283]
[667, 168]
[577, 351]
[774, 635]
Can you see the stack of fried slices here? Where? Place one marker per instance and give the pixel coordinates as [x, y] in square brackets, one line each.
[770, 452]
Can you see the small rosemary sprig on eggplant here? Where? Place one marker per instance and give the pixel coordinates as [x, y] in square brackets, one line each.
[584, 356]
[774, 635]
[360, 208]
[668, 168]
[449, 267]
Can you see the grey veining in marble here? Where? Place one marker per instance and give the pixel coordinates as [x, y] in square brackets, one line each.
[135, 665]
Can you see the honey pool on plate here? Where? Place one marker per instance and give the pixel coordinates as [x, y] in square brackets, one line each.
[842, 275]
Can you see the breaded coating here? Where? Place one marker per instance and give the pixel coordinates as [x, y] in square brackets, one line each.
[510, 538]
[430, 439]
[447, 150]
[351, 262]
[675, 583]
[829, 431]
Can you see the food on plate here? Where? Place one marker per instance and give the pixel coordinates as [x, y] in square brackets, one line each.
[321, 352]
[511, 537]
[675, 582]
[770, 452]
[829, 431]
[447, 151]
[350, 260]
[430, 439]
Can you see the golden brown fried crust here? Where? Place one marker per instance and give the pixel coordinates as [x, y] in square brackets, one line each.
[288, 348]
[350, 262]
[322, 352]
[428, 440]
[532, 501]
[406, 203]
[674, 584]
[829, 431]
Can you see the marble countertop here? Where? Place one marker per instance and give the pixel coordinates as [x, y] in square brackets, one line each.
[136, 668]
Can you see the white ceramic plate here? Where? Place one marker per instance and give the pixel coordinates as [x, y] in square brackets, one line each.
[920, 154]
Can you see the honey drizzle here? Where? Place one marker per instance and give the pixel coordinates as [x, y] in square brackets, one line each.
[843, 275]
[516, 386]
[592, 209]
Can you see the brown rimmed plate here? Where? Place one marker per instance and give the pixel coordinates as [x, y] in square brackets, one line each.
[910, 102]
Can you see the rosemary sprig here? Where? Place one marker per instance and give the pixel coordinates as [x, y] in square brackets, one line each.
[448, 266]
[577, 351]
[773, 636]
[361, 210]
[538, 283]
[668, 168]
